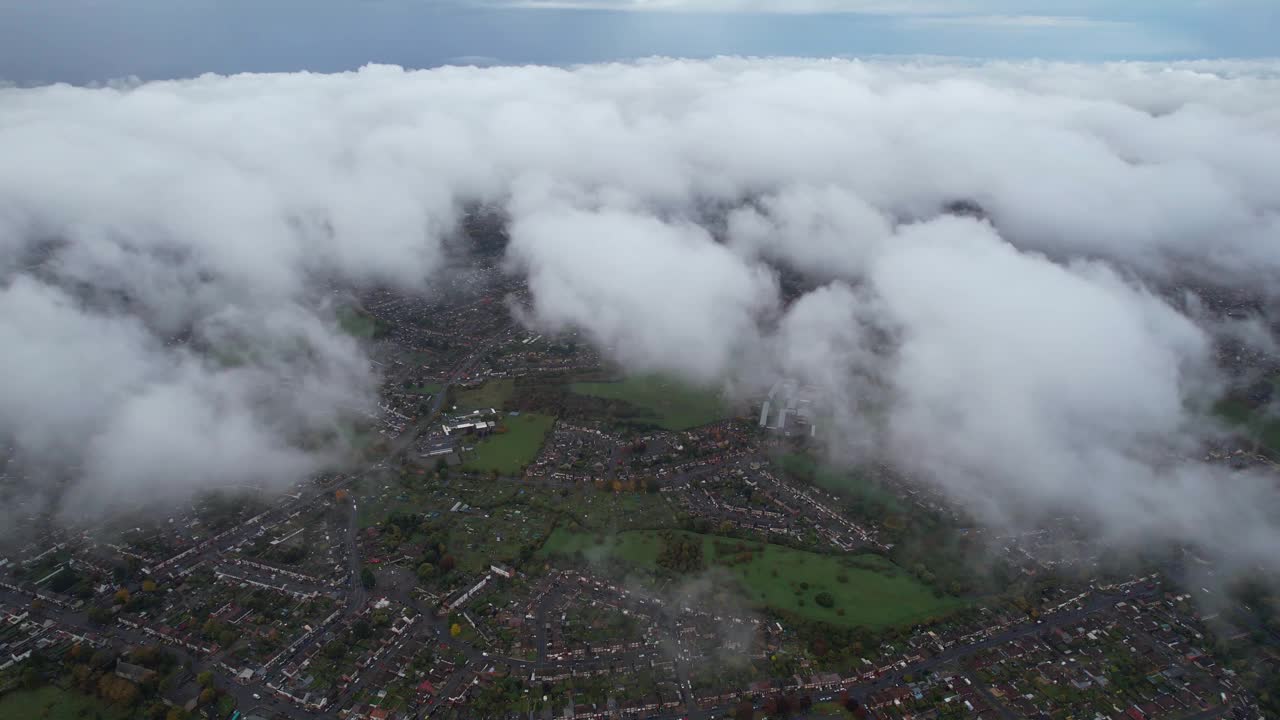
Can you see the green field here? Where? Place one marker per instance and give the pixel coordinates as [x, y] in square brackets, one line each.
[62, 704]
[428, 389]
[1254, 422]
[493, 394]
[876, 593]
[846, 483]
[507, 453]
[357, 323]
[666, 403]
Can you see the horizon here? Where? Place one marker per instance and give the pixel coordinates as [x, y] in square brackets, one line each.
[86, 42]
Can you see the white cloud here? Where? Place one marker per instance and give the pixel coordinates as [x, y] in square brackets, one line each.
[1022, 365]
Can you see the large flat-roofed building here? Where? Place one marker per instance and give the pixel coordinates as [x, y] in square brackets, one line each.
[788, 409]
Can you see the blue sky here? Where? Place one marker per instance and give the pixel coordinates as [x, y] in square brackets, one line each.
[92, 40]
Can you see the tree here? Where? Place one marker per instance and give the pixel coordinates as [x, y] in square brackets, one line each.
[367, 578]
[122, 596]
[455, 630]
[227, 638]
[820, 646]
[425, 571]
[148, 585]
[824, 599]
[744, 710]
[205, 679]
[447, 563]
[117, 690]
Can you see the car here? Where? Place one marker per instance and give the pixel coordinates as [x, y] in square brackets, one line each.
[256, 696]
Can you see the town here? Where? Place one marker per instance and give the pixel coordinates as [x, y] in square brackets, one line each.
[524, 531]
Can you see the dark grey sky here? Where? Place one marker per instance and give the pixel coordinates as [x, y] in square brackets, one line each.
[93, 40]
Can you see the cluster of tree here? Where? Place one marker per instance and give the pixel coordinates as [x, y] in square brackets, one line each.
[221, 510]
[680, 553]
[70, 582]
[398, 527]
[435, 563]
[218, 632]
[292, 554]
[630, 485]
[93, 674]
[497, 697]
[784, 705]
[724, 549]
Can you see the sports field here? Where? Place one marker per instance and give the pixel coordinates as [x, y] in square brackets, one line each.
[508, 452]
[869, 589]
[667, 403]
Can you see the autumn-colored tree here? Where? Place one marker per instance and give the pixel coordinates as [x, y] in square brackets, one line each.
[115, 689]
[122, 596]
[455, 630]
[148, 585]
[820, 646]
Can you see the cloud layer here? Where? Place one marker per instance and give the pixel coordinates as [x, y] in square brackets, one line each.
[1023, 356]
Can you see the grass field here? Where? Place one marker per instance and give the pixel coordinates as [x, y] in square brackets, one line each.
[847, 483]
[493, 394]
[62, 704]
[1255, 423]
[876, 593]
[356, 323]
[828, 710]
[667, 403]
[509, 452]
[428, 389]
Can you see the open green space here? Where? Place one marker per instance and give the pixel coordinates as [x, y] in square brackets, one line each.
[637, 548]
[507, 452]
[493, 394]
[865, 590]
[61, 705]
[1256, 423]
[843, 483]
[831, 710]
[666, 403]
[427, 389]
[357, 323]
